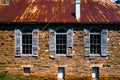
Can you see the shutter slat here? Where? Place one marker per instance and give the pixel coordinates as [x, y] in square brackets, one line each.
[69, 42]
[86, 42]
[104, 42]
[35, 42]
[18, 42]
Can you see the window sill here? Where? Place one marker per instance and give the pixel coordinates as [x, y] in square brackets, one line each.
[95, 55]
[57, 55]
[63, 55]
[27, 55]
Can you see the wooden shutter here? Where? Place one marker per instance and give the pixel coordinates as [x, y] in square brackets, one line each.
[69, 42]
[35, 35]
[104, 42]
[18, 42]
[86, 42]
[52, 38]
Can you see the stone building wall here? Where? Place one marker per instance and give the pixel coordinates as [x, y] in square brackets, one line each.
[5, 2]
[76, 66]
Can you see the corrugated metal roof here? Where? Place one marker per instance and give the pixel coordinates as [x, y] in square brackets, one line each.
[59, 11]
[99, 11]
[2, 6]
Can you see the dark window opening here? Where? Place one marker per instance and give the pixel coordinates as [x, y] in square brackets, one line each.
[95, 73]
[61, 30]
[26, 69]
[61, 43]
[61, 73]
[95, 42]
[27, 42]
[95, 30]
[27, 30]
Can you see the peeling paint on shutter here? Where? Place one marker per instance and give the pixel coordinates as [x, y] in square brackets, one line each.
[52, 38]
[86, 42]
[35, 37]
[104, 42]
[18, 42]
[69, 42]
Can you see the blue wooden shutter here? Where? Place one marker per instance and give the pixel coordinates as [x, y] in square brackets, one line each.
[35, 35]
[52, 37]
[104, 42]
[86, 42]
[69, 42]
[18, 42]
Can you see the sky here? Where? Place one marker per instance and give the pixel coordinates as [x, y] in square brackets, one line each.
[113, 0]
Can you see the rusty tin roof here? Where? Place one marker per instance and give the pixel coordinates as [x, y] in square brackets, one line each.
[59, 11]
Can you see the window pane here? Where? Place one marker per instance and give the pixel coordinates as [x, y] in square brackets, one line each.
[24, 52]
[64, 47]
[63, 52]
[64, 36]
[64, 41]
[60, 37]
[61, 41]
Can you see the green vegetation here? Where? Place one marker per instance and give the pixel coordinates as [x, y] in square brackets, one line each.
[30, 77]
[77, 78]
[110, 78]
[25, 78]
[13, 78]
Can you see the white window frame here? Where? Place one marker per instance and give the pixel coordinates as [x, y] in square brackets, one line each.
[22, 46]
[56, 44]
[94, 33]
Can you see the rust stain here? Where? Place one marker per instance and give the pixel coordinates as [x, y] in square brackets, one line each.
[59, 11]
[99, 11]
[2, 6]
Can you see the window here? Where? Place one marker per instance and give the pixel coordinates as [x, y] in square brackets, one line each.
[95, 42]
[61, 73]
[61, 41]
[26, 70]
[26, 42]
[95, 73]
